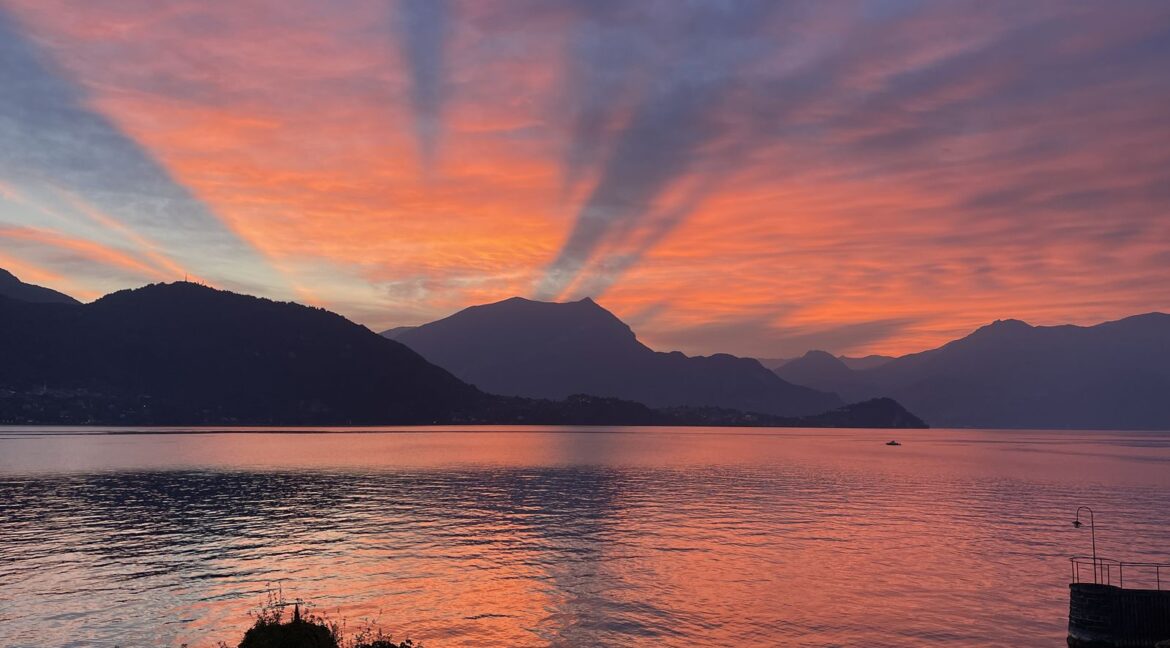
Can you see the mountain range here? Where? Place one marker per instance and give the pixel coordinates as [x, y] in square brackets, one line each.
[187, 354]
[551, 350]
[184, 353]
[1009, 374]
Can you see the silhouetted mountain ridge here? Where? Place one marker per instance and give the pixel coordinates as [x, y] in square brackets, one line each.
[824, 371]
[819, 362]
[14, 288]
[1014, 375]
[551, 350]
[186, 354]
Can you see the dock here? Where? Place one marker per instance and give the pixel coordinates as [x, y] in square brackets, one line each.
[1117, 604]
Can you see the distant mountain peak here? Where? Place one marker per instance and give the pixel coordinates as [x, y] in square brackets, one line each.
[1002, 327]
[821, 359]
[519, 301]
[517, 323]
[813, 362]
[820, 370]
[553, 349]
[572, 311]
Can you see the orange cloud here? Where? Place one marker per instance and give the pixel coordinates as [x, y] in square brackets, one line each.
[147, 248]
[870, 181]
[84, 249]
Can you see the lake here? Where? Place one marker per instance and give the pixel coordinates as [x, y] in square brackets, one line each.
[568, 536]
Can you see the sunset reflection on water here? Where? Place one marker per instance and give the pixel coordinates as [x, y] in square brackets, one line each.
[562, 537]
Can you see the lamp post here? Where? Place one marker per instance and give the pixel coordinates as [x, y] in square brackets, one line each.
[1093, 530]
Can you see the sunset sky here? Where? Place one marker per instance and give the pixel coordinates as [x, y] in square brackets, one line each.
[758, 178]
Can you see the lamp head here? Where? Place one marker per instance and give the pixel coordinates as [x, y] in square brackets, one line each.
[1077, 523]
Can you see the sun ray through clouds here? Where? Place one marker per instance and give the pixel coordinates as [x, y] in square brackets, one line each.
[730, 176]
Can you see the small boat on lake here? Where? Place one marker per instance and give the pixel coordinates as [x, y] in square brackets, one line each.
[893, 443]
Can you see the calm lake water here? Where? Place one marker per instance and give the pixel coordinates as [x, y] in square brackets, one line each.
[569, 537]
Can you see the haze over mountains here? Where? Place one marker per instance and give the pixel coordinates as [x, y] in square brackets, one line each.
[1009, 374]
[550, 350]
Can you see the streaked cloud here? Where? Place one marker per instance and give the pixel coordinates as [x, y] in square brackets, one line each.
[751, 177]
[68, 250]
[423, 28]
[52, 137]
[672, 120]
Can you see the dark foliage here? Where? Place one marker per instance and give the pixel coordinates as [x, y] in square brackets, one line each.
[293, 634]
[309, 630]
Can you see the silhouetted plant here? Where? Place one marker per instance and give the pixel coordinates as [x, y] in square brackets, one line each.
[308, 629]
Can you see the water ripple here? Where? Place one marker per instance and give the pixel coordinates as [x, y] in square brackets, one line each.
[561, 539]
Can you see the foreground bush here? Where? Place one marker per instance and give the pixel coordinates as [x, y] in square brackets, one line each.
[309, 630]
